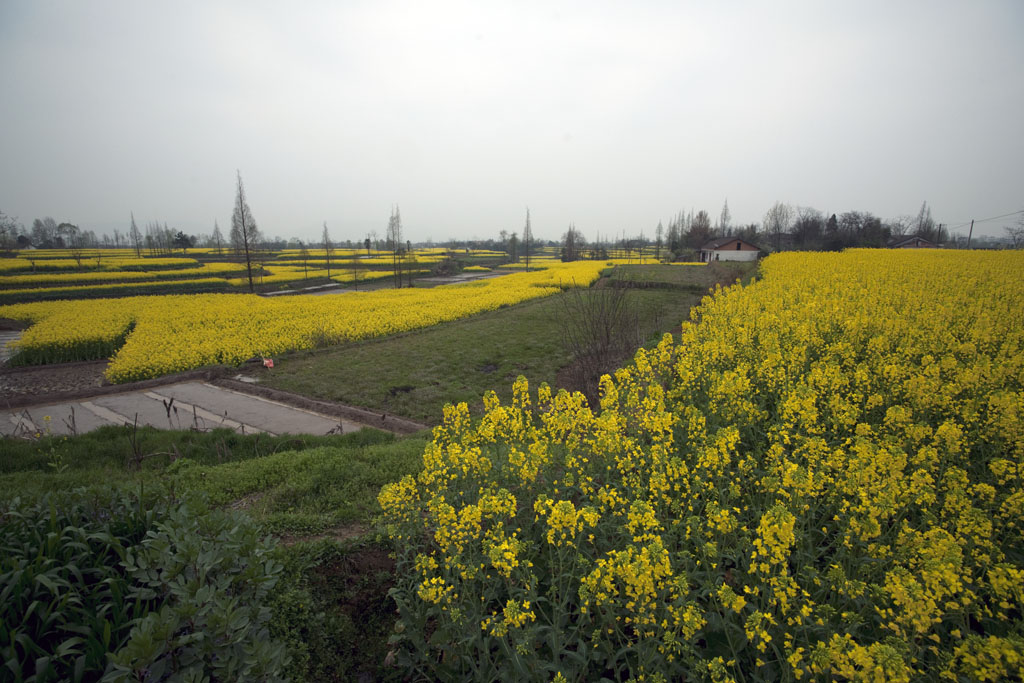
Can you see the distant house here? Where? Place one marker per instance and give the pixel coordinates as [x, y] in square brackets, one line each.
[728, 249]
[912, 242]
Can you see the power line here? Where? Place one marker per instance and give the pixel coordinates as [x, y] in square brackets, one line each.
[985, 220]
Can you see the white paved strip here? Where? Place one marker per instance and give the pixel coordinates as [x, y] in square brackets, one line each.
[270, 416]
[22, 422]
[207, 415]
[106, 414]
[267, 400]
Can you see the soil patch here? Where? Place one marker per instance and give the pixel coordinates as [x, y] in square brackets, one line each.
[10, 324]
[66, 378]
[38, 384]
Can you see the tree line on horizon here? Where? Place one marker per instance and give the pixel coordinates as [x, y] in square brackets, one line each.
[783, 227]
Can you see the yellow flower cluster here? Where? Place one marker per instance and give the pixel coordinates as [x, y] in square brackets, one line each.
[166, 334]
[823, 477]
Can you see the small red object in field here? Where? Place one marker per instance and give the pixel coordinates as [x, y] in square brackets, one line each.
[268, 362]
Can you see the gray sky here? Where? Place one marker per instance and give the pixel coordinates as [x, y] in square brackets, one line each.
[611, 115]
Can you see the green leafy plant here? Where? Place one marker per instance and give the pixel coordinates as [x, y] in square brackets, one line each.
[211, 573]
[114, 587]
[63, 595]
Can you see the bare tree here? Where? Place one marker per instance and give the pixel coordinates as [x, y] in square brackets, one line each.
[572, 243]
[808, 227]
[217, 238]
[1016, 233]
[777, 222]
[901, 225]
[725, 219]
[700, 230]
[357, 270]
[394, 237]
[600, 329]
[527, 238]
[304, 257]
[8, 232]
[44, 233]
[135, 237]
[924, 224]
[410, 262]
[75, 240]
[659, 235]
[244, 233]
[328, 249]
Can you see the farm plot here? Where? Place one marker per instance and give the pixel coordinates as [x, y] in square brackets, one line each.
[822, 479]
[152, 336]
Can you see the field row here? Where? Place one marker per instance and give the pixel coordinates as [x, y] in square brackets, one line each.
[154, 335]
[47, 275]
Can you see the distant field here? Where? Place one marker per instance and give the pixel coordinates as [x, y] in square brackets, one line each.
[151, 336]
[53, 274]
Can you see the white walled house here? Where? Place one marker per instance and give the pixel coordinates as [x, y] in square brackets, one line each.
[728, 249]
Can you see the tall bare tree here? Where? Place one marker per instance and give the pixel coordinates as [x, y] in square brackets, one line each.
[328, 249]
[725, 219]
[304, 257]
[924, 224]
[527, 238]
[244, 233]
[135, 236]
[572, 244]
[394, 238]
[217, 238]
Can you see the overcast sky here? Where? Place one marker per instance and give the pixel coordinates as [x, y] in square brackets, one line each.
[610, 115]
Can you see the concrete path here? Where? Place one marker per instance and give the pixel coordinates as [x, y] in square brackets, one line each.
[186, 405]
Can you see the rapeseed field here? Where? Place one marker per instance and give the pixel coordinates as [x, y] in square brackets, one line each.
[822, 478]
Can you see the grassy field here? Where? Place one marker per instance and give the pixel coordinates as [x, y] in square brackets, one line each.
[415, 375]
[689, 277]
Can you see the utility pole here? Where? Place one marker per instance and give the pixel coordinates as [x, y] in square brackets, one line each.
[969, 234]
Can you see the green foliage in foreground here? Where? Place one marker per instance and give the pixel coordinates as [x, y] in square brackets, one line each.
[112, 589]
[329, 606]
